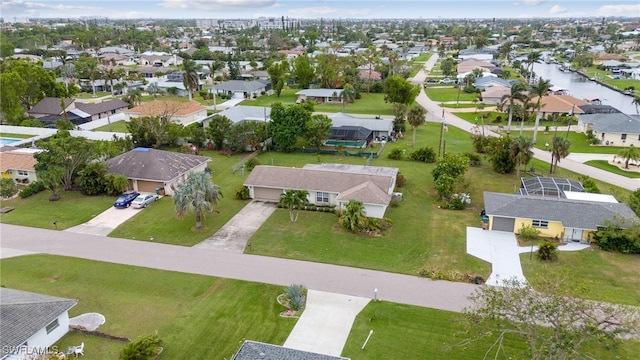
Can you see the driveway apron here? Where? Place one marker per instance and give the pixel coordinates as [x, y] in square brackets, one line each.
[105, 222]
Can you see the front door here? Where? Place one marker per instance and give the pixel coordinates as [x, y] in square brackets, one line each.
[573, 234]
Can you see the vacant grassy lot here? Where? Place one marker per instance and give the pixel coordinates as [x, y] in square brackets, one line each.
[197, 317]
[118, 126]
[72, 209]
[579, 143]
[490, 118]
[604, 165]
[409, 332]
[448, 93]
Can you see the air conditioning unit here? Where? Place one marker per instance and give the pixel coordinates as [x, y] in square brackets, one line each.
[396, 196]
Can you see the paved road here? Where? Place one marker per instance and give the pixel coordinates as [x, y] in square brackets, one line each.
[436, 114]
[398, 288]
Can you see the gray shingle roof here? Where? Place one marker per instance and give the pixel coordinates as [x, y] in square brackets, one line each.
[342, 119]
[152, 164]
[613, 123]
[101, 107]
[246, 113]
[253, 350]
[24, 313]
[49, 105]
[240, 85]
[572, 213]
[279, 177]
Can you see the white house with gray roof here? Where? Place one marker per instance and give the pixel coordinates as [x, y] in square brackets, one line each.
[617, 129]
[241, 88]
[378, 126]
[567, 219]
[254, 350]
[320, 96]
[241, 113]
[30, 322]
[327, 184]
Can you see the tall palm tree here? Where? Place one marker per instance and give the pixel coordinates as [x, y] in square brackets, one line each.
[348, 94]
[505, 51]
[68, 71]
[133, 97]
[520, 152]
[532, 58]
[111, 74]
[416, 118]
[516, 94]
[636, 102]
[559, 150]
[293, 200]
[353, 216]
[213, 67]
[539, 90]
[629, 153]
[190, 77]
[197, 195]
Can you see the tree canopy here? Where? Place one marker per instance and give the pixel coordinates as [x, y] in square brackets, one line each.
[399, 90]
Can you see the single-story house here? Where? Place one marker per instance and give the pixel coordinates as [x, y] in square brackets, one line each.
[379, 127]
[494, 94]
[253, 350]
[18, 164]
[148, 169]
[320, 96]
[559, 105]
[485, 82]
[240, 113]
[103, 109]
[569, 219]
[241, 88]
[468, 65]
[31, 322]
[50, 106]
[160, 60]
[179, 112]
[358, 134]
[49, 110]
[327, 184]
[617, 129]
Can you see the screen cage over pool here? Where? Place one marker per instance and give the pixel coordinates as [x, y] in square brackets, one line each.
[349, 136]
[548, 187]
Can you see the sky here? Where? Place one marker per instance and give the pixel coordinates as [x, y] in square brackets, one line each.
[315, 9]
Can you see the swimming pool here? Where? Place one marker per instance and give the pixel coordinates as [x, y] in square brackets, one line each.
[346, 143]
[8, 141]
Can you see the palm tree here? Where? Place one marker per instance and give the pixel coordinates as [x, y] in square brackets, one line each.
[111, 74]
[293, 200]
[532, 58]
[517, 93]
[353, 217]
[68, 71]
[636, 102]
[505, 51]
[348, 94]
[559, 150]
[416, 118]
[539, 90]
[213, 67]
[133, 97]
[520, 152]
[630, 153]
[197, 194]
[190, 77]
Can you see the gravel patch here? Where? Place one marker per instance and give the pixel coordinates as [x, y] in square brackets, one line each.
[88, 321]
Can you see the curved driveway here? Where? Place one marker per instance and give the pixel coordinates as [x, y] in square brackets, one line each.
[324, 277]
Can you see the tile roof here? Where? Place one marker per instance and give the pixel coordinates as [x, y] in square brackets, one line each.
[613, 123]
[14, 160]
[162, 107]
[572, 213]
[153, 164]
[496, 92]
[560, 104]
[49, 105]
[24, 313]
[253, 350]
[326, 180]
[105, 106]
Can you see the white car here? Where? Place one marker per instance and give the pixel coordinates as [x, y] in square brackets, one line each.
[446, 81]
[143, 200]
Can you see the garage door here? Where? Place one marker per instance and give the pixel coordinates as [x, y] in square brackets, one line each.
[267, 194]
[148, 186]
[503, 224]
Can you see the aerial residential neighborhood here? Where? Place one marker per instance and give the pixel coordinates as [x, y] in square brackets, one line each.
[319, 180]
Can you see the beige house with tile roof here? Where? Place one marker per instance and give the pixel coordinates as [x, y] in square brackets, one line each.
[179, 112]
[18, 165]
[327, 184]
[559, 104]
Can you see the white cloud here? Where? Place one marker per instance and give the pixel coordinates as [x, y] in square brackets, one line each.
[30, 6]
[618, 10]
[557, 10]
[533, 2]
[216, 5]
[324, 11]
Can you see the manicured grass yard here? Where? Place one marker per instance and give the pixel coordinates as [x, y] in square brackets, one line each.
[15, 136]
[449, 93]
[409, 332]
[604, 165]
[72, 209]
[89, 95]
[118, 126]
[579, 142]
[197, 317]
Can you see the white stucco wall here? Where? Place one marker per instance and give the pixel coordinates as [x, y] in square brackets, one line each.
[41, 339]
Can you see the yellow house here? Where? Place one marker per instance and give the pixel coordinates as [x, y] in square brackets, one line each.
[19, 165]
[566, 219]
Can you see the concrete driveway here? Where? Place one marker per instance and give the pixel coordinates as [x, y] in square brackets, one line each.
[105, 222]
[233, 236]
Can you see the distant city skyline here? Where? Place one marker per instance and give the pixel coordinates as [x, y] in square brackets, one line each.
[315, 9]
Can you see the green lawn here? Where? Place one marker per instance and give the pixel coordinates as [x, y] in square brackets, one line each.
[491, 119]
[422, 57]
[15, 136]
[461, 105]
[72, 209]
[197, 317]
[604, 165]
[579, 143]
[603, 76]
[410, 332]
[287, 97]
[450, 93]
[89, 95]
[118, 126]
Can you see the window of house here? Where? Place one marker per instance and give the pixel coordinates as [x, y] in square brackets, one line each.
[322, 197]
[52, 326]
[23, 173]
[623, 137]
[543, 224]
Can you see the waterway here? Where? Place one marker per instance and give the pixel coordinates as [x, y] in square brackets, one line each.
[580, 87]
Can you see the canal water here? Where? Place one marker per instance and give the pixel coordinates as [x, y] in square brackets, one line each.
[580, 87]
